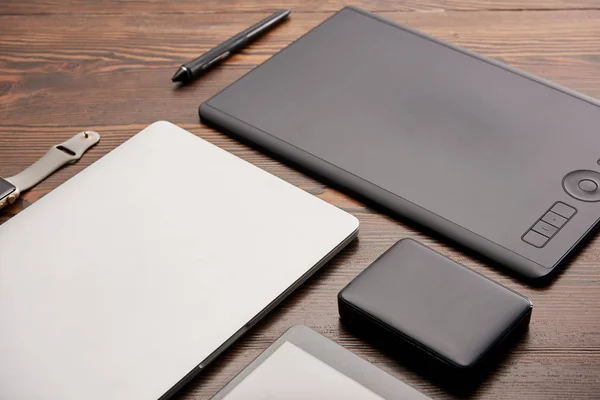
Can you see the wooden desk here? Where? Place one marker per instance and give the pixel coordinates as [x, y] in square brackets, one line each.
[66, 66]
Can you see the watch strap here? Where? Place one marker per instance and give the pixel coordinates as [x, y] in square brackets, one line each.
[58, 155]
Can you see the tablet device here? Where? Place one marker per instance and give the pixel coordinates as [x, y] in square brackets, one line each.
[496, 159]
[302, 364]
[132, 276]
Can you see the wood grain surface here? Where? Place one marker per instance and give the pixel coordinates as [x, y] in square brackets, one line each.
[68, 66]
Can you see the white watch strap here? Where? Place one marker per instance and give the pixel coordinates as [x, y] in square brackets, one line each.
[58, 155]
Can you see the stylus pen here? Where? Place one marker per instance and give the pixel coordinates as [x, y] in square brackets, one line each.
[195, 68]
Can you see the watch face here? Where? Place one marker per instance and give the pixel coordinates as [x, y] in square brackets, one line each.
[6, 188]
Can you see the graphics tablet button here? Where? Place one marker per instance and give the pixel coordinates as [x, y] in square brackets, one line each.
[535, 239]
[588, 185]
[583, 185]
[563, 210]
[545, 229]
[554, 219]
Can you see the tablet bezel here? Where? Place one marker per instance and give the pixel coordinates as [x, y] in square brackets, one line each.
[342, 360]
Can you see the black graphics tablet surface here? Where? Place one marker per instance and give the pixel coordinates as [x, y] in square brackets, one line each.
[302, 364]
[497, 160]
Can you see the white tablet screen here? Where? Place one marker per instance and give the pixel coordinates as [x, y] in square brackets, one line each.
[291, 373]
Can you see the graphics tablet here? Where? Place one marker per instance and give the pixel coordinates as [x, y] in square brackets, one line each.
[302, 364]
[132, 276]
[495, 159]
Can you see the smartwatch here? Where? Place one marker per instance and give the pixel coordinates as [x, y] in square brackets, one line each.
[59, 155]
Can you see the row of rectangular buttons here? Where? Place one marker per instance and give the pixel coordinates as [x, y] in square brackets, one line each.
[547, 226]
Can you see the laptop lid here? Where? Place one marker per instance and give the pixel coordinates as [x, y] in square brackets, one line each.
[141, 269]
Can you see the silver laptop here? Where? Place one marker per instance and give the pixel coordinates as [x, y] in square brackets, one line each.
[128, 279]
